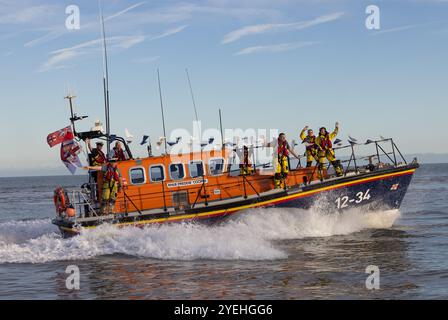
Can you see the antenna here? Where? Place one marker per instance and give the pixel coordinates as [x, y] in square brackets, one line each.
[192, 96]
[195, 109]
[161, 108]
[72, 115]
[105, 79]
[220, 127]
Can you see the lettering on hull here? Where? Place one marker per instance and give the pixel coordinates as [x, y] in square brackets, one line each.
[186, 183]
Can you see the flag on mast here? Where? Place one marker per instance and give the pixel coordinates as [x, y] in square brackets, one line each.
[60, 136]
[69, 155]
[144, 140]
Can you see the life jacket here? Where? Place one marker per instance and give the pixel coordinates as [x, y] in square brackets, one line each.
[60, 199]
[310, 141]
[100, 157]
[282, 149]
[111, 174]
[325, 142]
[119, 154]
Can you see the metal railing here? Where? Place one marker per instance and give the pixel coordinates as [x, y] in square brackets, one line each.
[353, 159]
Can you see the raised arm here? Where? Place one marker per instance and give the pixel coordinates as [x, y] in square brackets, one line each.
[335, 132]
[89, 146]
[303, 133]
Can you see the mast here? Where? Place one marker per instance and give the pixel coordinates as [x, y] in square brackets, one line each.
[105, 80]
[192, 96]
[72, 115]
[220, 127]
[161, 108]
[195, 110]
[164, 134]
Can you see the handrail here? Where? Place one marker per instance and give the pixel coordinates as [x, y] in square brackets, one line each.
[79, 203]
[132, 202]
[395, 146]
[199, 193]
[250, 184]
[378, 147]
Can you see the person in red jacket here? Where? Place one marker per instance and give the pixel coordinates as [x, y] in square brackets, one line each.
[119, 153]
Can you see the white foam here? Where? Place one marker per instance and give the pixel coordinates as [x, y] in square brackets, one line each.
[251, 236]
[18, 231]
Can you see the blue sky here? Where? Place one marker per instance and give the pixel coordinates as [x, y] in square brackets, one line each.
[268, 64]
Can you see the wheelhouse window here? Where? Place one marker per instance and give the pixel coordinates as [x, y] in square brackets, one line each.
[156, 173]
[196, 169]
[177, 171]
[216, 166]
[137, 176]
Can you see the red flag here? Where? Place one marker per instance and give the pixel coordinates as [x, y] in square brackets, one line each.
[60, 136]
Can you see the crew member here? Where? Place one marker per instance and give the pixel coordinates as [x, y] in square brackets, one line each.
[309, 139]
[97, 156]
[112, 184]
[325, 149]
[245, 165]
[281, 159]
[119, 152]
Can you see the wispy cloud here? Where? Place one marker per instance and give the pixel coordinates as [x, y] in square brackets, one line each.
[282, 47]
[172, 14]
[146, 59]
[45, 38]
[272, 27]
[234, 10]
[407, 27]
[119, 41]
[59, 58]
[169, 32]
[60, 31]
[125, 10]
[57, 61]
[397, 29]
[23, 13]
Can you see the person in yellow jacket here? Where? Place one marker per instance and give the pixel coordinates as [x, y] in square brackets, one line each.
[245, 164]
[309, 139]
[281, 159]
[325, 149]
[112, 184]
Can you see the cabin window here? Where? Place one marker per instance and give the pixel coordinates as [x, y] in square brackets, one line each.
[137, 175]
[196, 169]
[216, 166]
[177, 171]
[157, 173]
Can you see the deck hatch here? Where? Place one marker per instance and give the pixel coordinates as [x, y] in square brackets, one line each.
[180, 200]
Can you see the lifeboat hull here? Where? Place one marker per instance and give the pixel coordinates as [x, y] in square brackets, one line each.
[372, 191]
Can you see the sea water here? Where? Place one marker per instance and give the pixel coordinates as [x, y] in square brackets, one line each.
[259, 254]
